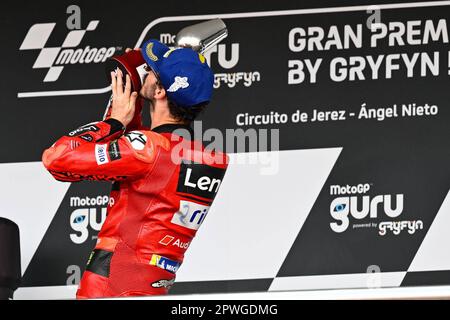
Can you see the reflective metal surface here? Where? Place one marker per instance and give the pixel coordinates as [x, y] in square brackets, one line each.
[202, 36]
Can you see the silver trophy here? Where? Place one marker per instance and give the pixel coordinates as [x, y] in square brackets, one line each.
[202, 36]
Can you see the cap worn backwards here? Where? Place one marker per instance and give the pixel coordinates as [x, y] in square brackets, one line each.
[183, 73]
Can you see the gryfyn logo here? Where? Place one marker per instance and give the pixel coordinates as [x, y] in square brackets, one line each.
[55, 58]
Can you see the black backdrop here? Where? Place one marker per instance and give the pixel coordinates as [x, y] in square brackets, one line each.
[402, 155]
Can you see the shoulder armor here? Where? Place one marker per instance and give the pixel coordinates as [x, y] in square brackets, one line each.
[145, 144]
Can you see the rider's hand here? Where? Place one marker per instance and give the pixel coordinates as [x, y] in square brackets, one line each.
[123, 100]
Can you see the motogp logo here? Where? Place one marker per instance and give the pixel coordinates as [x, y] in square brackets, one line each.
[68, 53]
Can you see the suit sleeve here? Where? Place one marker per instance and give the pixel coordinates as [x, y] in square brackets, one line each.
[100, 151]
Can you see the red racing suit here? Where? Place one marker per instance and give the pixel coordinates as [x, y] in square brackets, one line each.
[164, 185]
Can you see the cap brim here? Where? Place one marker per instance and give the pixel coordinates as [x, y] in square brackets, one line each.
[153, 52]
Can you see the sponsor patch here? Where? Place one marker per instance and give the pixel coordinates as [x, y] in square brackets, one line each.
[63, 176]
[87, 137]
[149, 51]
[190, 215]
[202, 58]
[164, 263]
[167, 54]
[114, 151]
[166, 240]
[169, 240]
[163, 283]
[99, 262]
[137, 139]
[199, 180]
[83, 129]
[101, 154]
[179, 83]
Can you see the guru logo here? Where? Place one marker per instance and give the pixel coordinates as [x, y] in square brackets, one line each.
[81, 219]
[89, 217]
[68, 53]
[359, 206]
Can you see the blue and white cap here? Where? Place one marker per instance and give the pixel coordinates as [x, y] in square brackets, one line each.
[183, 72]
